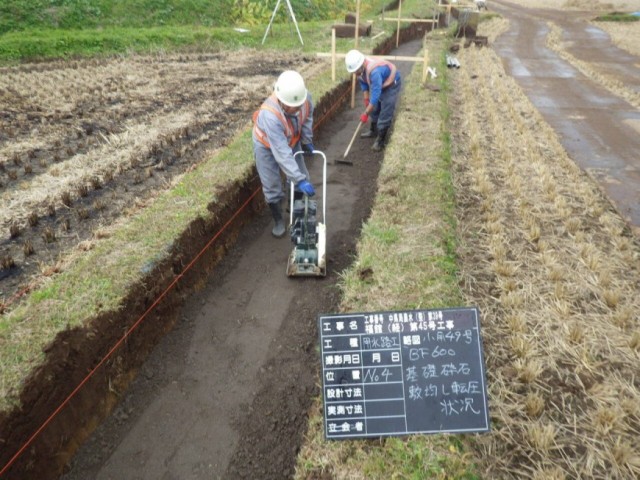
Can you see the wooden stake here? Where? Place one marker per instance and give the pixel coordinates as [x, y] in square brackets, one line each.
[401, 58]
[398, 29]
[353, 90]
[333, 54]
[353, 79]
[425, 65]
[357, 21]
[412, 20]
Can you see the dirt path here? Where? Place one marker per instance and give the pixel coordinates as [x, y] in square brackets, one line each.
[599, 130]
[225, 395]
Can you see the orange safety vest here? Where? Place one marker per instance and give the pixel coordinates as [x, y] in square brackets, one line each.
[373, 64]
[271, 104]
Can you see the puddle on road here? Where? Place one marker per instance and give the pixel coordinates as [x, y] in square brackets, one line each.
[633, 123]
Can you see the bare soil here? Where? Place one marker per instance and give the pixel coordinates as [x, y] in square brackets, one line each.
[225, 394]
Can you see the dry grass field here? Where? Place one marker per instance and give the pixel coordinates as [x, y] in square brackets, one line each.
[556, 273]
[84, 143]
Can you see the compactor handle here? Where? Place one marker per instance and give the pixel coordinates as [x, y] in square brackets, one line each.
[324, 187]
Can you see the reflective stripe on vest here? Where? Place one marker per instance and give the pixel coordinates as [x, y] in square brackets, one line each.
[373, 64]
[271, 104]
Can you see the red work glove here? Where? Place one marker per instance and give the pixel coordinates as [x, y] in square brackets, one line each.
[364, 118]
[366, 103]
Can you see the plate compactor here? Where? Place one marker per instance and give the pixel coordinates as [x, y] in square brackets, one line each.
[309, 236]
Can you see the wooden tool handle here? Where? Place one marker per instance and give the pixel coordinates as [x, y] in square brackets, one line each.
[352, 139]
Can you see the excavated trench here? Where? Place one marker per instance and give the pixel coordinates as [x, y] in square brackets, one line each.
[217, 380]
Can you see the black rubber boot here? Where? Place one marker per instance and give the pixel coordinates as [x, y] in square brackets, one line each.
[278, 230]
[380, 140]
[373, 131]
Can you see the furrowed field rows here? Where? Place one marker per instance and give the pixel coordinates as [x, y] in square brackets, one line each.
[86, 141]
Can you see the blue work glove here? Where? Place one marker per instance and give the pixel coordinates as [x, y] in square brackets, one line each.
[306, 188]
[308, 147]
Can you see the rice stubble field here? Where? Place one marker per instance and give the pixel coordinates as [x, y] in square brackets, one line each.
[555, 272]
[84, 143]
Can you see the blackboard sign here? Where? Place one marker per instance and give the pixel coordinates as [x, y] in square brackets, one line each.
[398, 373]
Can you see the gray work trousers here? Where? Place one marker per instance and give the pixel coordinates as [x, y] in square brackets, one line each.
[269, 172]
[383, 113]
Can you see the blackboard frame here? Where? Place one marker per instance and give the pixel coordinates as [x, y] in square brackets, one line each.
[379, 373]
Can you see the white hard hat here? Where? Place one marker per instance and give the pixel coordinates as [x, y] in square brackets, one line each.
[353, 60]
[290, 89]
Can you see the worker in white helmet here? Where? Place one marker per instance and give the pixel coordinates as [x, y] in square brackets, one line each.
[283, 126]
[380, 83]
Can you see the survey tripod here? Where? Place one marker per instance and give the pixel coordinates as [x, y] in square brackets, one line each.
[291, 14]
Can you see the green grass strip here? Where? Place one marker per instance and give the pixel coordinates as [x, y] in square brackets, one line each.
[35, 41]
[53, 43]
[618, 17]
